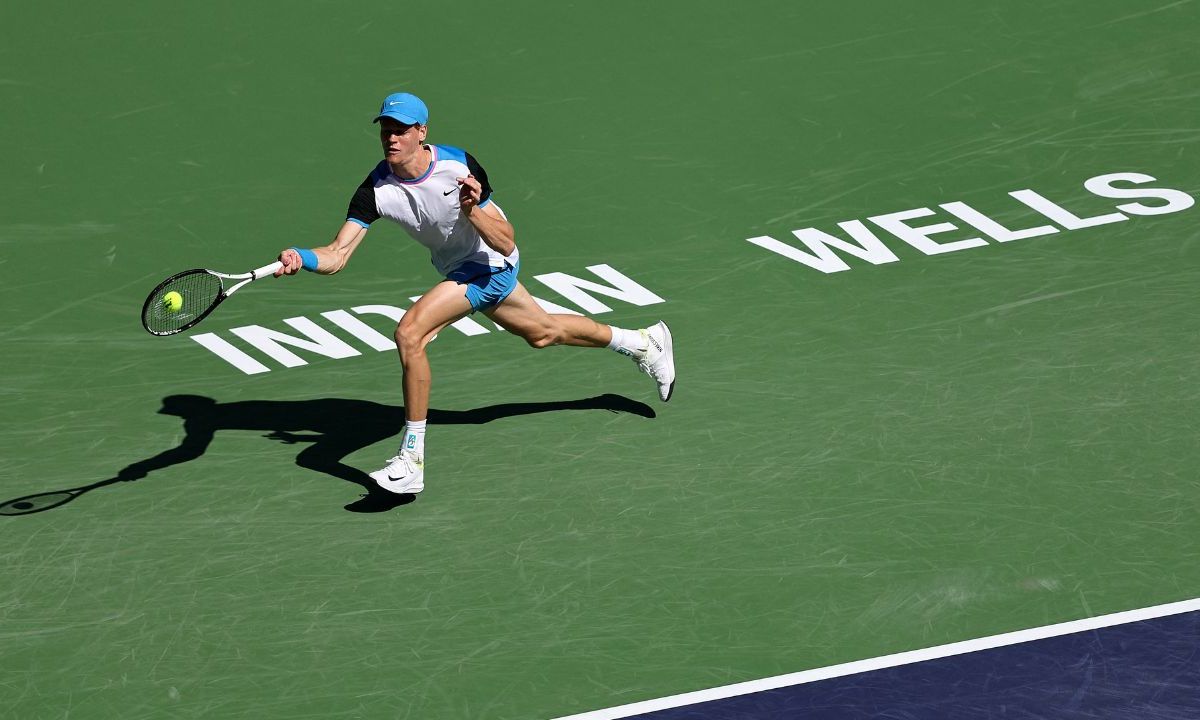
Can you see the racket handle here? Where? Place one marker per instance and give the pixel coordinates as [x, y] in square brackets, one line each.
[266, 270]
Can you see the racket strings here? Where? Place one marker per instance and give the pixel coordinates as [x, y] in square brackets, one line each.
[198, 291]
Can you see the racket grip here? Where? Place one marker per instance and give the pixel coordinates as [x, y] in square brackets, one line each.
[266, 270]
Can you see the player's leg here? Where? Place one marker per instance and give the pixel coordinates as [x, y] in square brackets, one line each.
[522, 316]
[445, 303]
[442, 305]
[651, 348]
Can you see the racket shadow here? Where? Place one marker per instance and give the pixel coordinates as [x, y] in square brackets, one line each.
[331, 429]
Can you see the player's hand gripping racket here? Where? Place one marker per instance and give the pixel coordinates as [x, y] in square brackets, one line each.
[186, 298]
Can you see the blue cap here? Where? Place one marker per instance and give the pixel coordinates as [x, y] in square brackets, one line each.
[405, 107]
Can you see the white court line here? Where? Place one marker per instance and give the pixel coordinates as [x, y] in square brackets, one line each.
[889, 661]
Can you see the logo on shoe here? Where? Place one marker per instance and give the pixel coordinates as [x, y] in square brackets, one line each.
[654, 343]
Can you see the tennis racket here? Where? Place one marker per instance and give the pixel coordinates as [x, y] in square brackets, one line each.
[196, 294]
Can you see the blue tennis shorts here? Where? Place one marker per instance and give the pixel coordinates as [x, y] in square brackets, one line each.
[486, 286]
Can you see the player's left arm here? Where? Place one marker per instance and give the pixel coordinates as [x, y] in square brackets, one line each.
[493, 227]
[475, 202]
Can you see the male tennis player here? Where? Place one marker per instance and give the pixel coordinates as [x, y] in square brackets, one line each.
[440, 195]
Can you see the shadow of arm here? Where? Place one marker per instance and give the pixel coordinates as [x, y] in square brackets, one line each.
[195, 442]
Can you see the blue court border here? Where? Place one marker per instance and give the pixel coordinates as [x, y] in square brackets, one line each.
[1141, 663]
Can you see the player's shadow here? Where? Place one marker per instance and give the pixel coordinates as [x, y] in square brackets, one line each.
[331, 428]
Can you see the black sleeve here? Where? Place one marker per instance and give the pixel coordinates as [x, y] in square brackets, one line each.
[480, 175]
[362, 205]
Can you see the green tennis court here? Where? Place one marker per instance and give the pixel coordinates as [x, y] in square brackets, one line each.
[894, 426]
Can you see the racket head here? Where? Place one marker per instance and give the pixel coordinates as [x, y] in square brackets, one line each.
[201, 290]
[37, 503]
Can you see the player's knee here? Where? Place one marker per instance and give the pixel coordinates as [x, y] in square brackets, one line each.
[409, 338]
[543, 339]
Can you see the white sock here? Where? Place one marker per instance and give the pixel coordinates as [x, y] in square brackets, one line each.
[627, 342]
[414, 437]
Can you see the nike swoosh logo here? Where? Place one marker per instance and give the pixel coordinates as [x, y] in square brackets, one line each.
[447, 193]
[398, 102]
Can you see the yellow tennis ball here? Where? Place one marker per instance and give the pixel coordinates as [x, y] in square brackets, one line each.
[173, 301]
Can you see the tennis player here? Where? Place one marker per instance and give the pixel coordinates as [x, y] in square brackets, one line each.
[441, 196]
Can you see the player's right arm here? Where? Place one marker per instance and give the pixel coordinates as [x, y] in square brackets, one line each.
[330, 258]
[334, 256]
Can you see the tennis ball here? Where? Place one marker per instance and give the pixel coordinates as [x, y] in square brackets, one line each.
[173, 301]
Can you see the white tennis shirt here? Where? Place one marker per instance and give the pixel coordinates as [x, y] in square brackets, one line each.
[427, 208]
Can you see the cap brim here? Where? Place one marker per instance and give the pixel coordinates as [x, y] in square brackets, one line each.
[399, 117]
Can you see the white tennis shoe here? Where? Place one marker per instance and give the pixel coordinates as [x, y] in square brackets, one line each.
[659, 359]
[404, 474]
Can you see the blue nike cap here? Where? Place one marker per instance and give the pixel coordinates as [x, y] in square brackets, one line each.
[405, 107]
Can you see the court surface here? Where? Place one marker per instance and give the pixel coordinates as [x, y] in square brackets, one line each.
[899, 430]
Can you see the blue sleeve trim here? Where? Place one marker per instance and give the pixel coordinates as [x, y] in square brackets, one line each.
[358, 222]
[308, 257]
[485, 203]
